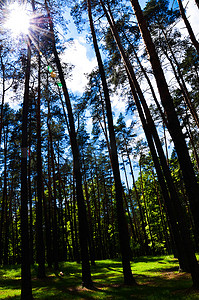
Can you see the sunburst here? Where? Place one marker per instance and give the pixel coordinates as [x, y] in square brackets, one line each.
[21, 22]
[17, 19]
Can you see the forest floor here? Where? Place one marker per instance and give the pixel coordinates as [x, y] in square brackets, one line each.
[157, 278]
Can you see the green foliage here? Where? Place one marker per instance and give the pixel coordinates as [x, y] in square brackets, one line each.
[157, 12]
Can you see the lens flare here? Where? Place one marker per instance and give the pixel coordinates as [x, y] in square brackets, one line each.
[18, 20]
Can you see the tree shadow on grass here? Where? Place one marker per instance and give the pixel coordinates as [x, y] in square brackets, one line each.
[152, 288]
[171, 269]
[108, 282]
[149, 287]
[147, 259]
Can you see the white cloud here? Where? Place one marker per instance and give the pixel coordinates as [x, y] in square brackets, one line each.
[77, 55]
[118, 104]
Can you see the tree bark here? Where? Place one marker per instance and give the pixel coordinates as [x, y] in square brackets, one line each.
[26, 286]
[39, 215]
[54, 196]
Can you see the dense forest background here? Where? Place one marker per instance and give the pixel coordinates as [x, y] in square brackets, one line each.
[80, 181]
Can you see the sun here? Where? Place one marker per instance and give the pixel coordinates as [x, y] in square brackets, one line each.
[18, 20]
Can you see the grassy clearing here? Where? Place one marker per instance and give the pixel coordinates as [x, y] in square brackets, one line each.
[157, 278]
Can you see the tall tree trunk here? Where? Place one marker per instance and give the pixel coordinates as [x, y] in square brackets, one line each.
[135, 232]
[162, 216]
[90, 222]
[26, 286]
[30, 206]
[183, 88]
[122, 224]
[144, 244]
[188, 26]
[63, 246]
[3, 204]
[3, 94]
[49, 213]
[39, 215]
[145, 206]
[74, 221]
[172, 120]
[47, 221]
[54, 196]
[100, 246]
[5, 201]
[83, 225]
[16, 230]
[68, 208]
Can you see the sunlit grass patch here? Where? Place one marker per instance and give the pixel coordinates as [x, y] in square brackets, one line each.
[157, 277]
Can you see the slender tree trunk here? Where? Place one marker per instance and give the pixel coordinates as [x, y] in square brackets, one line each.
[162, 216]
[54, 197]
[185, 92]
[47, 230]
[100, 247]
[145, 206]
[122, 224]
[5, 201]
[75, 254]
[63, 248]
[3, 205]
[26, 286]
[30, 206]
[3, 95]
[90, 222]
[67, 215]
[135, 232]
[39, 215]
[166, 144]
[188, 26]
[75, 221]
[16, 230]
[144, 243]
[83, 225]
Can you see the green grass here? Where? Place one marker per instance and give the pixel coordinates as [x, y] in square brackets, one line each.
[157, 277]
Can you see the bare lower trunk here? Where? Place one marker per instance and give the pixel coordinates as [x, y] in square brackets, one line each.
[26, 286]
